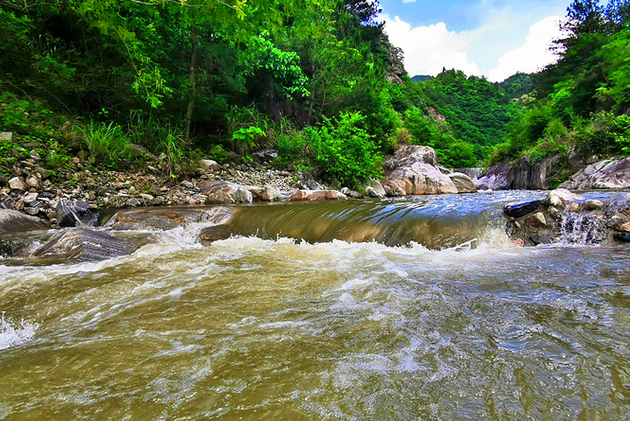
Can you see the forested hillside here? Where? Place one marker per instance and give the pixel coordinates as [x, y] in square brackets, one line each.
[317, 80]
[476, 113]
[581, 103]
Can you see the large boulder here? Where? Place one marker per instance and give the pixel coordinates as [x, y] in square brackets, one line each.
[464, 183]
[83, 245]
[225, 192]
[76, 214]
[608, 174]
[12, 221]
[413, 169]
[411, 154]
[496, 178]
[169, 218]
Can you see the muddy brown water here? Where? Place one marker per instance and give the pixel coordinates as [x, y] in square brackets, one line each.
[456, 326]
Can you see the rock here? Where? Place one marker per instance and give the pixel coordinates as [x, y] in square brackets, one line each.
[463, 182]
[6, 136]
[350, 193]
[378, 187]
[209, 165]
[78, 213]
[414, 170]
[409, 155]
[187, 184]
[83, 245]
[243, 195]
[537, 220]
[608, 174]
[590, 205]
[29, 198]
[574, 207]
[624, 227]
[167, 219]
[34, 181]
[521, 209]
[265, 155]
[209, 235]
[496, 178]
[560, 197]
[371, 192]
[16, 183]
[533, 176]
[264, 194]
[224, 192]
[12, 221]
[316, 195]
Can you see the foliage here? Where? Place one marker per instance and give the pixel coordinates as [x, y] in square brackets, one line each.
[581, 101]
[345, 151]
[107, 143]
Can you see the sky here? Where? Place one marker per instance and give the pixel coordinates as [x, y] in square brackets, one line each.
[490, 38]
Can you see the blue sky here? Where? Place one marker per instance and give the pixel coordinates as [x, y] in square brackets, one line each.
[492, 38]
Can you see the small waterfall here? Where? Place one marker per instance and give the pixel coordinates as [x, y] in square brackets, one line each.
[579, 228]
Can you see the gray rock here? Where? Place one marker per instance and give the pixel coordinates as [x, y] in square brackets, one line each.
[608, 174]
[16, 183]
[414, 169]
[167, 219]
[496, 178]
[12, 221]
[243, 195]
[83, 245]
[76, 213]
[463, 183]
[266, 155]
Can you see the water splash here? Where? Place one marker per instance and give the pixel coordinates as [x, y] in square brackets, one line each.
[11, 335]
[579, 228]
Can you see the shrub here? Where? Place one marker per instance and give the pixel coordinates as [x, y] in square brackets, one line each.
[107, 143]
[345, 151]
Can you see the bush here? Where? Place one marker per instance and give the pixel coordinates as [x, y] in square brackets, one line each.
[107, 143]
[345, 151]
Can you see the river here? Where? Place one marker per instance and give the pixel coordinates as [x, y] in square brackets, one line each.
[456, 324]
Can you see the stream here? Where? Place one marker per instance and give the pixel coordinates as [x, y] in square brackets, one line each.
[411, 309]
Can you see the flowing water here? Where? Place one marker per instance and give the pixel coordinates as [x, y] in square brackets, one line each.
[449, 327]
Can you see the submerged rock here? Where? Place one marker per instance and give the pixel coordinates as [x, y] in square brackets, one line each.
[12, 221]
[169, 218]
[83, 245]
[209, 235]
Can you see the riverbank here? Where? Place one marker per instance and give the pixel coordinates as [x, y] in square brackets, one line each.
[36, 190]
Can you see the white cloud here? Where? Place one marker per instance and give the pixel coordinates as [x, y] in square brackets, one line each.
[409, 1]
[430, 48]
[533, 55]
[500, 44]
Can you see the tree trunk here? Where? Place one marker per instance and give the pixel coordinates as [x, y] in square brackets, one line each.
[192, 81]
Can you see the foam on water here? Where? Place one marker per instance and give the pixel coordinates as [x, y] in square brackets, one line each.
[15, 334]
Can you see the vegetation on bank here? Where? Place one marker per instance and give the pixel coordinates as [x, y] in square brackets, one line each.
[581, 103]
[186, 79]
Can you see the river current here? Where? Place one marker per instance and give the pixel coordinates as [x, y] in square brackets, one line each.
[265, 327]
